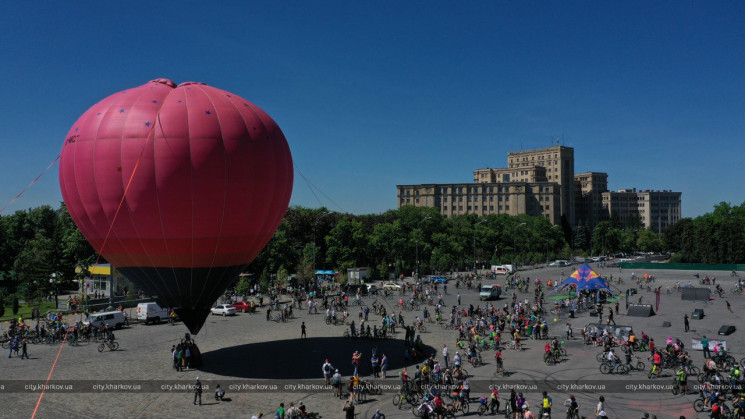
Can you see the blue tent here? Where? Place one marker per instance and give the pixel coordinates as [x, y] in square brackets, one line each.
[585, 279]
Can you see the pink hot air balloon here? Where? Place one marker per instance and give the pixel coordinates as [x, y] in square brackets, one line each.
[179, 187]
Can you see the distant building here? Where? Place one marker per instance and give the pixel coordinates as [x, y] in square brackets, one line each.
[514, 198]
[542, 182]
[100, 281]
[656, 210]
[588, 197]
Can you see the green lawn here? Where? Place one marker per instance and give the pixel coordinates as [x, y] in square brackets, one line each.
[25, 310]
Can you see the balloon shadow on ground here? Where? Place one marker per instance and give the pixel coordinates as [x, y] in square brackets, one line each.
[303, 358]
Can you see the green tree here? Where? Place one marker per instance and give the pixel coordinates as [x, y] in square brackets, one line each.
[244, 286]
[2, 308]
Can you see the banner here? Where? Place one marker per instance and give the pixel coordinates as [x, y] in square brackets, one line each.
[657, 304]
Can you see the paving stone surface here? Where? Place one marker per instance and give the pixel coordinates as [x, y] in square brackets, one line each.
[247, 350]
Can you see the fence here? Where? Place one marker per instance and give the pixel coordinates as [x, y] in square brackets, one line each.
[683, 266]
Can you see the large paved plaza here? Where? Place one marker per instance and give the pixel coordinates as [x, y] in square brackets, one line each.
[246, 350]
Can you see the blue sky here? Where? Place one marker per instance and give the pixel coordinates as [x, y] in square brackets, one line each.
[375, 94]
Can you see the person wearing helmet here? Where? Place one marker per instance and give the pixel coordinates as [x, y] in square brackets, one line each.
[521, 402]
[572, 407]
[527, 414]
[378, 415]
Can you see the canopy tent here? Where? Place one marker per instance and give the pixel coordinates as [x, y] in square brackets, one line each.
[584, 278]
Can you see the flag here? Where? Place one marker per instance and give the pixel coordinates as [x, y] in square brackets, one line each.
[657, 304]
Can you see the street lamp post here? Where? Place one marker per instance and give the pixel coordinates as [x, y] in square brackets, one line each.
[514, 247]
[474, 244]
[314, 240]
[416, 240]
[53, 282]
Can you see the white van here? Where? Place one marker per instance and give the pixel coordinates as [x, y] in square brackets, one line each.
[151, 313]
[113, 319]
[490, 292]
[503, 269]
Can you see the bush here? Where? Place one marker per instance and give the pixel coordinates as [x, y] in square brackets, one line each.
[15, 305]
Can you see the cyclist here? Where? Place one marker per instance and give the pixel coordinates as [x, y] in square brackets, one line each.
[494, 401]
[546, 405]
[682, 378]
[734, 375]
[498, 359]
[613, 360]
[716, 411]
[657, 362]
[572, 407]
[527, 414]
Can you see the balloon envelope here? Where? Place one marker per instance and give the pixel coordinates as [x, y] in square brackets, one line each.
[179, 187]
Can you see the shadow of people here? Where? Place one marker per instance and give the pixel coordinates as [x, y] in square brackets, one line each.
[303, 358]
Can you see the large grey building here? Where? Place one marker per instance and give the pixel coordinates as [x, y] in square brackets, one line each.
[542, 182]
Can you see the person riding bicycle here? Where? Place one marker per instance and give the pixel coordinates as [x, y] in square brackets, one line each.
[682, 379]
[657, 361]
[716, 411]
[710, 367]
[632, 340]
[627, 353]
[493, 401]
[426, 410]
[456, 360]
[734, 375]
[613, 360]
[572, 407]
[546, 405]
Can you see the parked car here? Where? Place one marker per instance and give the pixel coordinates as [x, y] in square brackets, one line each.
[438, 280]
[372, 289]
[392, 286]
[558, 264]
[113, 319]
[223, 309]
[241, 306]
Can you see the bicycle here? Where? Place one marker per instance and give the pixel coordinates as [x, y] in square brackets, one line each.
[406, 396]
[637, 366]
[460, 404]
[551, 358]
[655, 372]
[500, 368]
[476, 360]
[515, 345]
[618, 368]
[111, 345]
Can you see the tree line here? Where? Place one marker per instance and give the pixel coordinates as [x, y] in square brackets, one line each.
[40, 241]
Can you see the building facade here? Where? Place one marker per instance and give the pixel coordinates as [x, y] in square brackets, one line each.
[558, 162]
[588, 192]
[542, 182]
[514, 198]
[656, 210]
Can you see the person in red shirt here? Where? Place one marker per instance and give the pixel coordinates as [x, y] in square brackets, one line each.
[657, 361]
